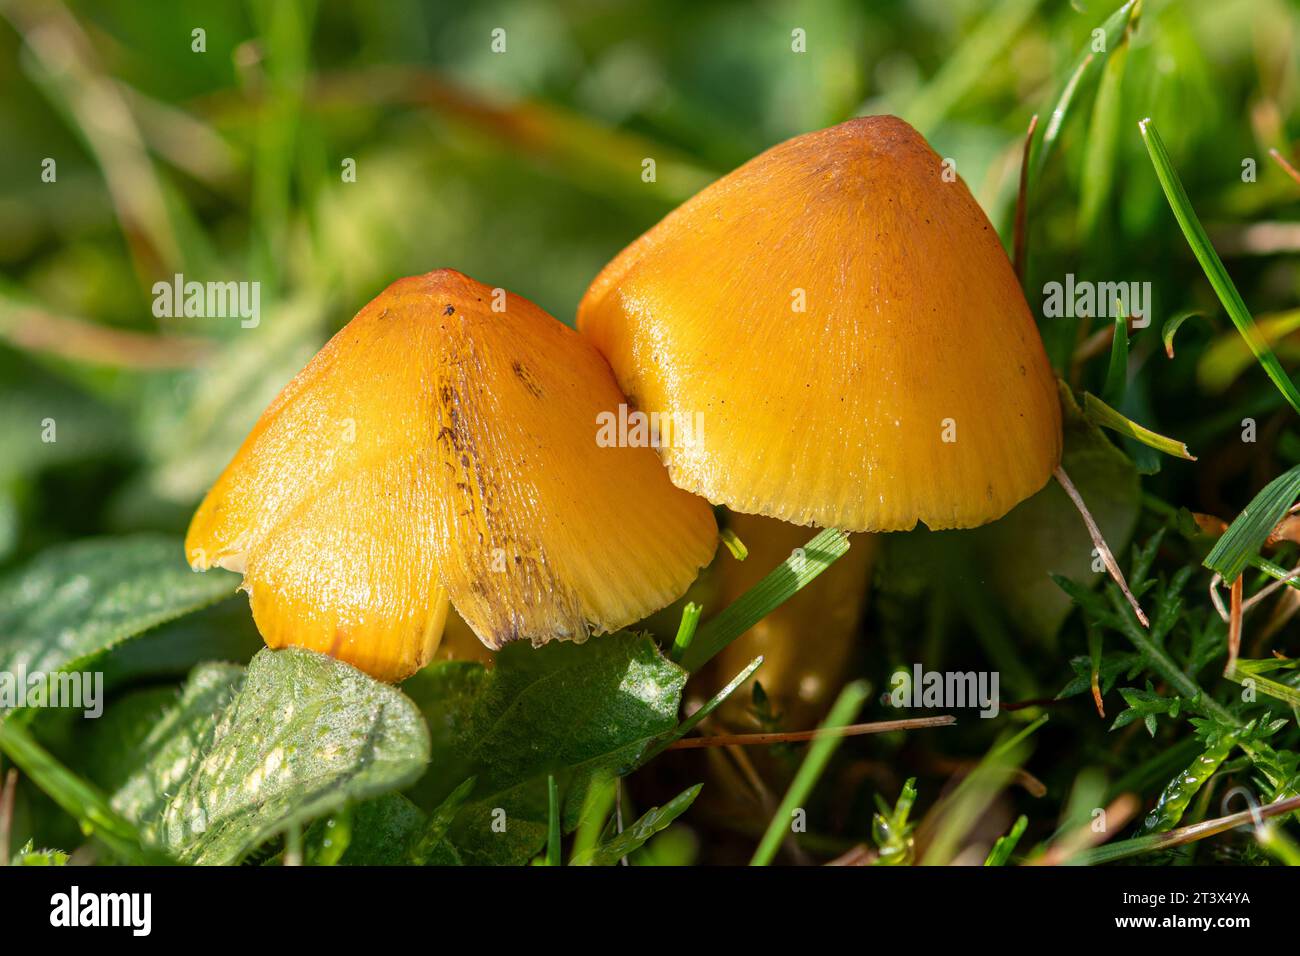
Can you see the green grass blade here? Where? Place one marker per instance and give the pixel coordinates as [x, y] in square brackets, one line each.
[1228, 356]
[76, 797]
[439, 822]
[1246, 535]
[842, 714]
[1006, 845]
[733, 544]
[1265, 685]
[287, 29]
[1113, 27]
[1212, 264]
[766, 596]
[596, 808]
[961, 810]
[685, 631]
[1172, 326]
[1117, 369]
[1272, 839]
[968, 65]
[1274, 571]
[552, 821]
[653, 821]
[1103, 137]
[1099, 413]
[691, 722]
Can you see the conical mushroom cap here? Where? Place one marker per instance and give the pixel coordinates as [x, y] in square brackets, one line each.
[842, 315]
[433, 448]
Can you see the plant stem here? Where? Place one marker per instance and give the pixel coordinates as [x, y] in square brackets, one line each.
[1099, 542]
[799, 736]
[1170, 671]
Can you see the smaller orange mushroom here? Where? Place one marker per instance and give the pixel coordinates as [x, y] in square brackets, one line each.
[443, 446]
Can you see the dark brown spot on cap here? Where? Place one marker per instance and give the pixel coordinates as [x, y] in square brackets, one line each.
[526, 377]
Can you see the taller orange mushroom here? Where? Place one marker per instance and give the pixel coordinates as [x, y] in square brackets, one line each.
[444, 445]
[843, 317]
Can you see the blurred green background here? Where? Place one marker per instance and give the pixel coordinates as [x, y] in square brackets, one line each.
[523, 169]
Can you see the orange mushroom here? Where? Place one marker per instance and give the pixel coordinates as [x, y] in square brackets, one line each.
[843, 317]
[443, 445]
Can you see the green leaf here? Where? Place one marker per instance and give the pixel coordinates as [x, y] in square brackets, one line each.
[733, 544]
[1248, 532]
[225, 631]
[300, 736]
[325, 843]
[1213, 265]
[152, 727]
[73, 602]
[1146, 705]
[375, 832]
[766, 596]
[1149, 644]
[568, 710]
[609, 852]
[595, 822]
[1099, 413]
[1111, 668]
[152, 749]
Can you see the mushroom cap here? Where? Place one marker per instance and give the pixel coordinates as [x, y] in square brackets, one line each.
[436, 448]
[912, 387]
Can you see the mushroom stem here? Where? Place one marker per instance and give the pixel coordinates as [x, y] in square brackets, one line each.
[1099, 543]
